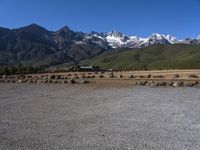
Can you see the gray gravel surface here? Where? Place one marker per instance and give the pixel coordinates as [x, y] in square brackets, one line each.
[51, 117]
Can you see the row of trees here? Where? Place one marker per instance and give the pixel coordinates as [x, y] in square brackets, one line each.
[9, 70]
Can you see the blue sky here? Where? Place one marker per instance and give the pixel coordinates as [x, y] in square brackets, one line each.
[180, 18]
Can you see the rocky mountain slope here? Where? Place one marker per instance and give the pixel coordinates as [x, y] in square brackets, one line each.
[37, 46]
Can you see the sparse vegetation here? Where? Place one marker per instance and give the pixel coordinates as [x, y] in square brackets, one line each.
[155, 57]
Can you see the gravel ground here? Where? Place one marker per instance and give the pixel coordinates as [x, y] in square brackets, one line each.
[45, 117]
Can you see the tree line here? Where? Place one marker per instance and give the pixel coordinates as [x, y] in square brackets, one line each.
[11, 70]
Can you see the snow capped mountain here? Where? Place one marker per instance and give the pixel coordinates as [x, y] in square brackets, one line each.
[191, 41]
[171, 39]
[154, 39]
[116, 39]
[119, 40]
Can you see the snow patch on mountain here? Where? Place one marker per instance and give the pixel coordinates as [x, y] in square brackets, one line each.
[116, 39]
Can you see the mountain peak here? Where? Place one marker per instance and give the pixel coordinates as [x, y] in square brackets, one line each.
[65, 28]
[33, 27]
[171, 38]
[156, 34]
[115, 33]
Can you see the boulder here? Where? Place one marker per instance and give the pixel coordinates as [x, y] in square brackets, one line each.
[177, 84]
[29, 81]
[55, 81]
[169, 83]
[148, 76]
[83, 77]
[19, 81]
[84, 81]
[158, 76]
[193, 76]
[52, 77]
[49, 81]
[72, 81]
[58, 77]
[161, 83]
[101, 76]
[175, 76]
[110, 75]
[4, 76]
[120, 76]
[7, 81]
[141, 76]
[143, 82]
[69, 75]
[13, 81]
[131, 76]
[65, 81]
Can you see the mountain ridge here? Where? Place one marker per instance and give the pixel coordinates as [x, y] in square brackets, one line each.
[37, 46]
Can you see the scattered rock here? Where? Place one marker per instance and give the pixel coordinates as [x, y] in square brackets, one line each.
[169, 83]
[19, 81]
[161, 84]
[110, 75]
[120, 76]
[141, 76]
[13, 81]
[76, 77]
[131, 76]
[190, 84]
[65, 82]
[93, 76]
[52, 77]
[4, 76]
[72, 81]
[158, 76]
[101, 76]
[7, 81]
[83, 77]
[175, 76]
[177, 84]
[55, 81]
[29, 81]
[84, 81]
[58, 77]
[193, 76]
[148, 76]
[142, 82]
[152, 83]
